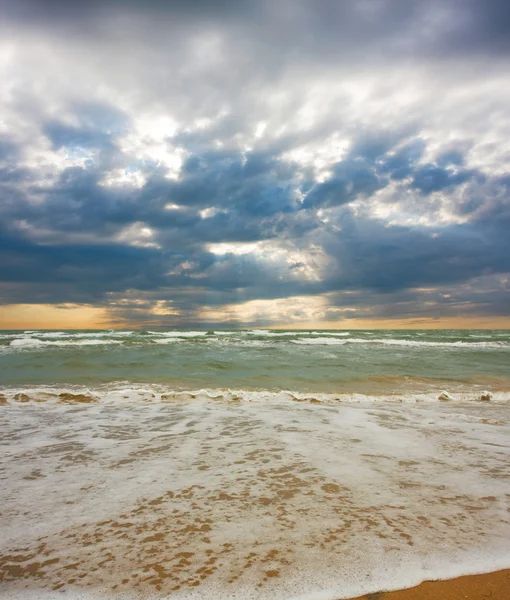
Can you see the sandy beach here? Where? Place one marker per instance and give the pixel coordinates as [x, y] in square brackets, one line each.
[264, 497]
[495, 586]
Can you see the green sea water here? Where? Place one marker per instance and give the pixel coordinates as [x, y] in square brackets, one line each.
[370, 362]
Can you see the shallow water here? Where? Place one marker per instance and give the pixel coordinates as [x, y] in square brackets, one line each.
[267, 498]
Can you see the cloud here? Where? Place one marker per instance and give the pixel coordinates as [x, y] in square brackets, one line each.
[177, 161]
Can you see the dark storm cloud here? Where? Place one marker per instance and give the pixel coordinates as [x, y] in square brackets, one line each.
[64, 10]
[255, 184]
[26, 261]
[8, 149]
[10, 172]
[254, 200]
[66, 135]
[323, 28]
[351, 179]
[387, 259]
[432, 178]
[97, 126]
[371, 164]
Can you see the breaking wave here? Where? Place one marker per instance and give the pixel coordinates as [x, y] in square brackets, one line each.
[401, 342]
[155, 394]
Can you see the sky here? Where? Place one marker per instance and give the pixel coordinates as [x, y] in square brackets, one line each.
[275, 163]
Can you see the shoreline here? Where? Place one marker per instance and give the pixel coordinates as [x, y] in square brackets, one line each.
[254, 499]
[494, 585]
[125, 392]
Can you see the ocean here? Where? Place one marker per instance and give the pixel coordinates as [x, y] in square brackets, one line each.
[251, 464]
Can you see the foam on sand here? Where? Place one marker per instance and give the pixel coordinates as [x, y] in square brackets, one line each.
[208, 494]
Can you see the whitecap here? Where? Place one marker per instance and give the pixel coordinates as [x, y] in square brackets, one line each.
[27, 343]
[331, 333]
[321, 340]
[179, 334]
[400, 342]
[35, 343]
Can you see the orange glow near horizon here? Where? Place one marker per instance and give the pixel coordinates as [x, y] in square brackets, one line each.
[48, 316]
[411, 323]
[76, 316]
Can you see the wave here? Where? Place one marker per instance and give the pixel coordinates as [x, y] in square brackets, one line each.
[156, 393]
[38, 340]
[35, 343]
[31, 335]
[323, 341]
[331, 333]
[179, 334]
[266, 333]
[273, 334]
[400, 342]
[52, 334]
[103, 334]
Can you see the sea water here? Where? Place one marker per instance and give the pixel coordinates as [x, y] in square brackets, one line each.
[251, 464]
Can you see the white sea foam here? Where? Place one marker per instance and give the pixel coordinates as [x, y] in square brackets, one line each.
[272, 334]
[326, 341]
[53, 334]
[297, 332]
[311, 502]
[157, 393]
[27, 343]
[35, 339]
[36, 343]
[188, 336]
[331, 333]
[180, 334]
[402, 342]
[101, 334]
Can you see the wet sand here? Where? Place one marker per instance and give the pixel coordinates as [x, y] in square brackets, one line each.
[250, 499]
[493, 586]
